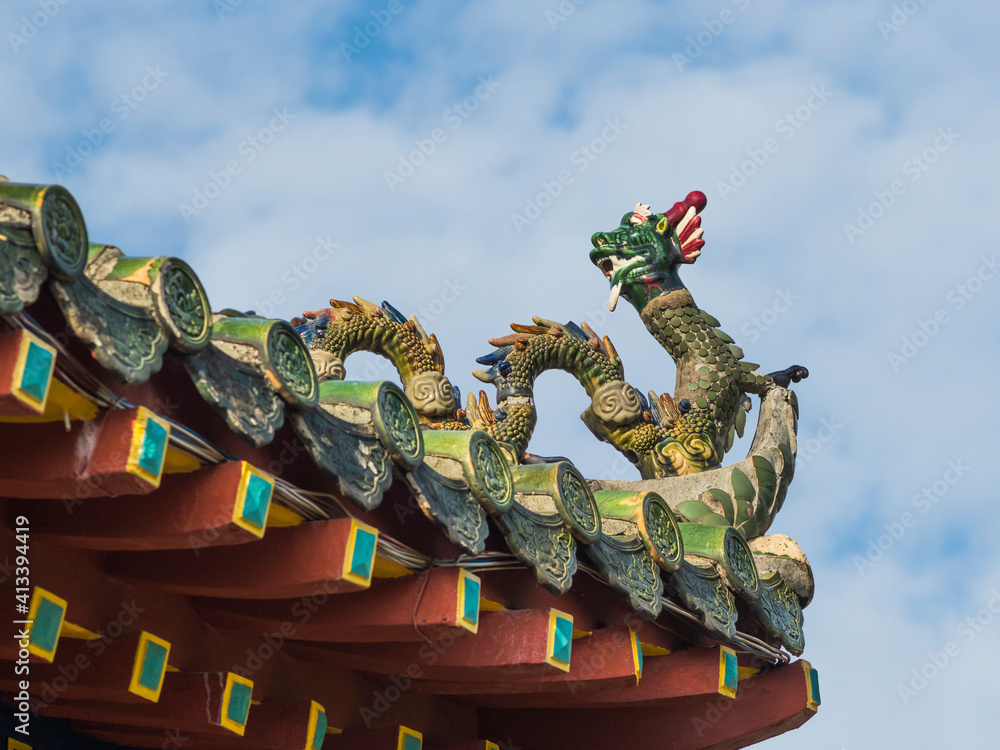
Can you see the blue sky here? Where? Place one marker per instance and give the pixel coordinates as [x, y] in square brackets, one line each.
[403, 151]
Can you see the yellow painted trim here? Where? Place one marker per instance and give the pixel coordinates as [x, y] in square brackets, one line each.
[386, 568]
[745, 673]
[179, 462]
[463, 574]
[636, 653]
[811, 703]
[143, 417]
[648, 650]
[140, 657]
[405, 732]
[27, 339]
[63, 401]
[278, 516]
[724, 689]
[347, 575]
[13, 744]
[241, 500]
[578, 634]
[141, 274]
[485, 605]
[315, 709]
[491, 746]
[554, 615]
[76, 632]
[36, 600]
[224, 720]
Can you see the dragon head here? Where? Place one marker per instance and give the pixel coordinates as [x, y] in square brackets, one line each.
[641, 256]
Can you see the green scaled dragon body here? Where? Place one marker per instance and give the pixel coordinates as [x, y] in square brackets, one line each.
[640, 259]
[664, 436]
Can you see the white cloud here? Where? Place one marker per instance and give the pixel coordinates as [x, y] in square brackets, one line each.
[324, 175]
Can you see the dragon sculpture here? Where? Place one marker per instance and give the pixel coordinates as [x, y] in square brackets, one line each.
[667, 437]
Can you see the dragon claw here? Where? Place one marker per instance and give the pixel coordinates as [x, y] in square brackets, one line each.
[789, 375]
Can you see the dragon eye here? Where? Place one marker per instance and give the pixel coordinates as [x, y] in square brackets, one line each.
[600, 241]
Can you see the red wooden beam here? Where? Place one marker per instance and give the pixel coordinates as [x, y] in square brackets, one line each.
[84, 670]
[591, 602]
[509, 645]
[156, 739]
[188, 511]
[192, 702]
[766, 705]
[282, 729]
[293, 561]
[682, 674]
[600, 662]
[412, 608]
[100, 457]
[105, 606]
[395, 738]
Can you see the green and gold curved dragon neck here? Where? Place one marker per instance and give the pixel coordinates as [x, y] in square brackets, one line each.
[640, 259]
[663, 436]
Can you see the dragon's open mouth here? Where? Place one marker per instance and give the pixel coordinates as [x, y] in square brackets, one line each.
[614, 264]
[617, 270]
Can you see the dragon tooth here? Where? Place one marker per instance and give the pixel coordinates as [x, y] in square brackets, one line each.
[613, 299]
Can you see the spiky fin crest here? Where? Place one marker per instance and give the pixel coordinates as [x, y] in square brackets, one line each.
[317, 321]
[518, 341]
[480, 413]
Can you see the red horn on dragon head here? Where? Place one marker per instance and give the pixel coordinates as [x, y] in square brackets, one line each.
[695, 199]
[683, 216]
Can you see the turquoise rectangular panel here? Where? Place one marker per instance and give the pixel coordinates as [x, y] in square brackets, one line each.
[364, 553]
[320, 734]
[470, 608]
[45, 630]
[239, 703]
[154, 447]
[37, 371]
[562, 645]
[153, 663]
[638, 652]
[257, 500]
[731, 678]
[412, 743]
[814, 684]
